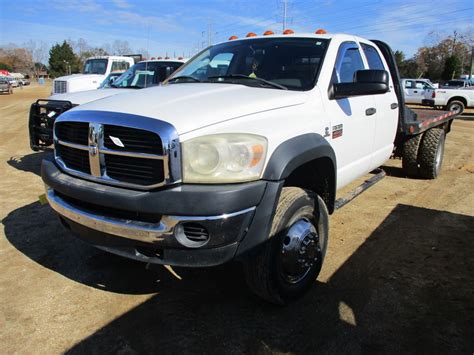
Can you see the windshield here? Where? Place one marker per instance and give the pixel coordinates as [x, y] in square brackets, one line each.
[95, 66]
[146, 74]
[290, 63]
[107, 83]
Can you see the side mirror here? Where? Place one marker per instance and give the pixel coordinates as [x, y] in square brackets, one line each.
[112, 79]
[366, 82]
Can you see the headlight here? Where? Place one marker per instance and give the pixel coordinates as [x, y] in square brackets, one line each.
[221, 158]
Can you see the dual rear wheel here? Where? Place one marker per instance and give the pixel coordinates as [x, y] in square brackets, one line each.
[423, 154]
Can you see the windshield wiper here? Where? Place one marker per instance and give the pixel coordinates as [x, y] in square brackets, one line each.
[125, 87]
[242, 76]
[184, 77]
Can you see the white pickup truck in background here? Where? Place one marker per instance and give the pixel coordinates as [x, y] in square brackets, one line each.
[239, 155]
[414, 89]
[142, 75]
[455, 100]
[96, 69]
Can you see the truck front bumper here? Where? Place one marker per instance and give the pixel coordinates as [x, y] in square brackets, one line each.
[187, 225]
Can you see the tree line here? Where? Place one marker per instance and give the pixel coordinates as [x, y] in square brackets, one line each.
[61, 59]
[444, 59]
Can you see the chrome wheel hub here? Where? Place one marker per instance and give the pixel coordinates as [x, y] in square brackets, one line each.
[456, 108]
[300, 250]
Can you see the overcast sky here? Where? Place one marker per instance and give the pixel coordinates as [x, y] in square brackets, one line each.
[179, 26]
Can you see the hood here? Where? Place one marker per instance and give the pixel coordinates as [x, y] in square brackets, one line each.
[189, 106]
[82, 97]
[75, 77]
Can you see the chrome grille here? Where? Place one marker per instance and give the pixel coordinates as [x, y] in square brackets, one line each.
[60, 87]
[112, 154]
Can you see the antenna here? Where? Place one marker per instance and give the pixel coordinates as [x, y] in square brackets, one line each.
[147, 49]
[284, 13]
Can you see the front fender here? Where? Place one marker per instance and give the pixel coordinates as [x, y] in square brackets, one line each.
[295, 152]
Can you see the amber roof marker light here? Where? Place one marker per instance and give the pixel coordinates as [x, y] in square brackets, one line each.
[268, 33]
[251, 34]
[320, 31]
[231, 38]
[288, 32]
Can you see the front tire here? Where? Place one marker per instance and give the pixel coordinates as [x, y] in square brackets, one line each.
[431, 153]
[289, 262]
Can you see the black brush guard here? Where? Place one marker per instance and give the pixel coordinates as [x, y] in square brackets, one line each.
[42, 119]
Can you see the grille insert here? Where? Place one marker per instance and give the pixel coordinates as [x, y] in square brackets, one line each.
[133, 139]
[74, 158]
[60, 87]
[73, 132]
[134, 170]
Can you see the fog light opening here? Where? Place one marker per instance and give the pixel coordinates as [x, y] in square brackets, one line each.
[191, 234]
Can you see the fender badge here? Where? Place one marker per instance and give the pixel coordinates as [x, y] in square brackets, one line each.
[337, 131]
[117, 141]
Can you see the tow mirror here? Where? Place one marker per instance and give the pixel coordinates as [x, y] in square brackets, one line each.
[366, 82]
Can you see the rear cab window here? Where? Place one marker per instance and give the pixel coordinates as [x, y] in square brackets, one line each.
[373, 57]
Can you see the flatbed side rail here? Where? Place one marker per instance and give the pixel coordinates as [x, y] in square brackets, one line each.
[426, 119]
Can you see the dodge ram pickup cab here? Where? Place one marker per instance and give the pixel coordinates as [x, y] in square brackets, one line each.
[44, 112]
[455, 100]
[96, 69]
[239, 155]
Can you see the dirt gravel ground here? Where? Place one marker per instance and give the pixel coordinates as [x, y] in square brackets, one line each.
[398, 276]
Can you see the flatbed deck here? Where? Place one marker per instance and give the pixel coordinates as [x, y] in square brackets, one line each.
[422, 120]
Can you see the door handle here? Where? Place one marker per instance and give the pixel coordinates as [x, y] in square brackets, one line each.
[370, 111]
[415, 91]
[393, 106]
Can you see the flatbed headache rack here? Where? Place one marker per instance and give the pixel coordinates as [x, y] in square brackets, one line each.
[41, 121]
[411, 121]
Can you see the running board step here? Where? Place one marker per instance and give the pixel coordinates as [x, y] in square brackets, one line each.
[379, 175]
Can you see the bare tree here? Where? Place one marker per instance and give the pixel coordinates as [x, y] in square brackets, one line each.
[81, 46]
[121, 47]
[144, 53]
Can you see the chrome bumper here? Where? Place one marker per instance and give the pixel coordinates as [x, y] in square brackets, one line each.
[153, 233]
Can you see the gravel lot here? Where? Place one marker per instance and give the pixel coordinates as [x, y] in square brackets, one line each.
[398, 277]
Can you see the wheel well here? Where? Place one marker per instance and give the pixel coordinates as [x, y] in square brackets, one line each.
[318, 176]
[458, 98]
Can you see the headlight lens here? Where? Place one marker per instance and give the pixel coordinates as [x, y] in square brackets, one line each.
[221, 158]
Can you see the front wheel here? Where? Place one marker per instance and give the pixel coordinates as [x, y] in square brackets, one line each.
[288, 264]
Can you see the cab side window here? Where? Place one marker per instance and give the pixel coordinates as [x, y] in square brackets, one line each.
[348, 62]
[120, 66]
[373, 57]
[409, 84]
